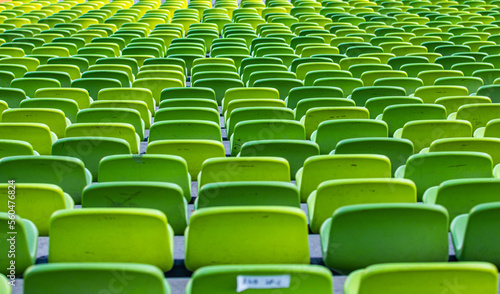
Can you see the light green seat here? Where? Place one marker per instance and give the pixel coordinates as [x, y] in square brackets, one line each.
[246, 235]
[69, 173]
[459, 196]
[234, 169]
[134, 235]
[318, 169]
[156, 85]
[37, 135]
[331, 132]
[306, 92]
[265, 129]
[53, 118]
[431, 169]
[256, 113]
[396, 116]
[492, 129]
[189, 102]
[137, 105]
[346, 85]
[377, 105]
[67, 106]
[412, 278]
[166, 197]
[123, 131]
[219, 86]
[227, 279]
[489, 146]
[475, 234]
[248, 93]
[5, 286]
[37, 202]
[397, 150]
[148, 167]
[31, 85]
[429, 94]
[194, 152]
[294, 151]
[315, 116]
[82, 277]
[423, 132]
[90, 150]
[25, 243]
[305, 104]
[187, 113]
[477, 114]
[107, 115]
[362, 94]
[80, 96]
[249, 193]
[94, 85]
[190, 92]
[453, 103]
[128, 94]
[15, 147]
[185, 129]
[331, 195]
[357, 236]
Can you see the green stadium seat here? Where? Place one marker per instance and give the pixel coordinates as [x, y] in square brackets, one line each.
[26, 241]
[212, 240]
[53, 118]
[474, 234]
[37, 202]
[419, 235]
[94, 276]
[145, 235]
[474, 277]
[334, 194]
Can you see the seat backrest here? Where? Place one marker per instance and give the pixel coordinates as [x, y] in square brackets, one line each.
[396, 116]
[53, 118]
[148, 167]
[318, 169]
[25, 241]
[474, 277]
[333, 194]
[94, 277]
[227, 235]
[38, 135]
[313, 279]
[478, 114]
[420, 234]
[144, 235]
[431, 169]
[315, 116]
[233, 169]
[185, 129]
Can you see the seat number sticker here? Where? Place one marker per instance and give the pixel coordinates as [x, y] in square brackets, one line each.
[262, 282]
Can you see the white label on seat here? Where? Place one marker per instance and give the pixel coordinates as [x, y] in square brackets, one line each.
[262, 282]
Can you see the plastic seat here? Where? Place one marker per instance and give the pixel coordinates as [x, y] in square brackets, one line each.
[25, 240]
[195, 152]
[140, 195]
[94, 85]
[294, 151]
[185, 129]
[474, 277]
[397, 150]
[187, 113]
[256, 113]
[297, 94]
[31, 85]
[396, 116]
[211, 239]
[362, 94]
[429, 94]
[334, 194]
[260, 129]
[477, 114]
[429, 77]
[315, 116]
[423, 132]
[93, 276]
[219, 86]
[419, 235]
[80, 96]
[248, 93]
[123, 131]
[318, 280]
[318, 169]
[474, 234]
[48, 170]
[37, 135]
[132, 94]
[191, 92]
[148, 167]
[461, 195]
[106, 115]
[330, 132]
[73, 232]
[249, 193]
[431, 169]
[36, 202]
